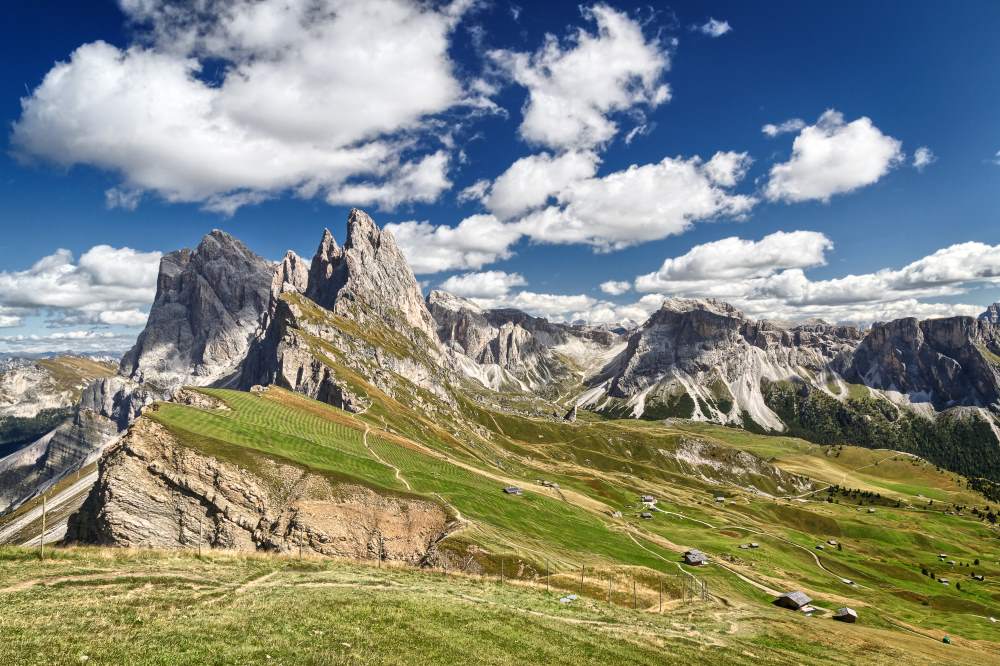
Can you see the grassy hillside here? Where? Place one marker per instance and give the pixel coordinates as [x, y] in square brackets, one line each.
[890, 513]
[890, 532]
[113, 607]
[71, 372]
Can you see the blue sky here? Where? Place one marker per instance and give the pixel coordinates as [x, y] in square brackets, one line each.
[473, 90]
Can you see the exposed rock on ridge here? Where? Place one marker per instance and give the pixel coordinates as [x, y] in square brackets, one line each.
[208, 306]
[359, 306]
[706, 360]
[945, 362]
[369, 271]
[508, 342]
[992, 314]
[153, 492]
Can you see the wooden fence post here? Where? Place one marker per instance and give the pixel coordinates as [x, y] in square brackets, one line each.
[635, 602]
[661, 595]
[546, 575]
[501, 571]
[609, 589]
[583, 567]
[41, 538]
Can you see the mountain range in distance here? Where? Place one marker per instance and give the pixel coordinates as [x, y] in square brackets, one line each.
[224, 316]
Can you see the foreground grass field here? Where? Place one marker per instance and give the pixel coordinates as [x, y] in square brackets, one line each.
[107, 606]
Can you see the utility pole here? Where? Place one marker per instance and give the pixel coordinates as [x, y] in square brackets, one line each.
[41, 538]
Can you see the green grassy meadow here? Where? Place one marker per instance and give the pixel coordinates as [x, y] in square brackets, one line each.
[601, 466]
[106, 606]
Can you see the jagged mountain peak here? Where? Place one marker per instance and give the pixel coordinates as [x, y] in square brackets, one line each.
[370, 271]
[992, 314]
[208, 304]
[681, 305]
[361, 230]
[449, 301]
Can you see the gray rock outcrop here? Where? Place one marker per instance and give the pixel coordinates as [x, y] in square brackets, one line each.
[533, 350]
[208, 306]
[370, 271]
[357, 306]
[704, 359]
[992, 314]
[946, 362]
[154, 493]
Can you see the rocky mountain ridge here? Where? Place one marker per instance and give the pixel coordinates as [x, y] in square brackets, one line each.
[992, 314]
[155, 493]
[207, 308]
[706, 360]
[360, 304]
[208, 305]
[512, 347]
[352, 321]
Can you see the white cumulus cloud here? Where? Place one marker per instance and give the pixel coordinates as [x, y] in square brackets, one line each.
[485, 284]
[767, 278]
[833, 157]
[530, 181]
[576, 85]
[421, 181]
[476, 241]
[641, 203]
[714, 27]
[734, 258]
[303, 96]
[923, 157]
[616, 287]
[107, 285]
[786, 127]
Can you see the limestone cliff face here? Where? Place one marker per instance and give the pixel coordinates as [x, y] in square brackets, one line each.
[208, 306]
[706, 360]
[992, 314]
[154, 492]
[359, 306]
[946, 362]
[370, 271]
[534, 351]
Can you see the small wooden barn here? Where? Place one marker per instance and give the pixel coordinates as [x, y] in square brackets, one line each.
[846, 614]
[793, 600]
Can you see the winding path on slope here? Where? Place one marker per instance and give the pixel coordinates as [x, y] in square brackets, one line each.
[399, 475]
[754, 530]
[843, 479]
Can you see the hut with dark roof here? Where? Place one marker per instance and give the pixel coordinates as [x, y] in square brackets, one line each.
[846, 614]
[695, 557]
[793, 600]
